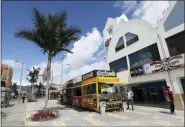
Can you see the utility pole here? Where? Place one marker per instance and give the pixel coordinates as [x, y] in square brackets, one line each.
[20, 80]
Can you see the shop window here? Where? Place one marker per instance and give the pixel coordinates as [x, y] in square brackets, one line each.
[120, 44]
[119, 65]
[176, 43]
[89, 89]
[144, 56]
[131, 38]
[77, 91]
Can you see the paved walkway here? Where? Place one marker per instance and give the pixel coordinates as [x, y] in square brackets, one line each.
[13, 115]
[142, 116]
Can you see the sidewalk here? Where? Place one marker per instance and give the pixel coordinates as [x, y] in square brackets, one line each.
[13, 115]
[141, 116]
[32, 107]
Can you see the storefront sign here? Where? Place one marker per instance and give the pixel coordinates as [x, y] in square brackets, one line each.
[70, 82]
[77, 79]
[176, 61]
[101, 73]
[88, 75]
[98, 73]
[158, 66]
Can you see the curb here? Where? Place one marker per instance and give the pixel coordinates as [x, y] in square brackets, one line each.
[25, 118]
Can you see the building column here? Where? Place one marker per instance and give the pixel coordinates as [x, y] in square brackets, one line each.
[179, 94]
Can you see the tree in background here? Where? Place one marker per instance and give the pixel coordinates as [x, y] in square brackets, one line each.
[32, 77]
[14, 88]
[52, 35]
[40, 89]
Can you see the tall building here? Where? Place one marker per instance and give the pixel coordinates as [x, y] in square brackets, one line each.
[149, 58]
[6, 75]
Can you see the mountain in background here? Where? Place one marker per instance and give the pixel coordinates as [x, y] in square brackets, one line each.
[25, 88]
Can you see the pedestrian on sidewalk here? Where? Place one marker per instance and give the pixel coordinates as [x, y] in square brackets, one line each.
[23, 98]
[170, 98]
[130, 96]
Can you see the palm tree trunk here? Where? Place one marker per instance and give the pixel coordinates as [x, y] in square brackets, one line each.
[47, 81]
[32, 89]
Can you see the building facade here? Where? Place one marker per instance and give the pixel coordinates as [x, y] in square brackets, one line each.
[6, 75]
[149, 58]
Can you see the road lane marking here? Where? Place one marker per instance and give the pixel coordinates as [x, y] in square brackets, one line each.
[25, 116]
[179, 117]
[117, 116]
[135, 123]
[91, 115]
[94, 121]
[66, 119]
[135, 112]
[59, 123]
[162, 123]
[155, 117]
[73, 111]
[150, 109]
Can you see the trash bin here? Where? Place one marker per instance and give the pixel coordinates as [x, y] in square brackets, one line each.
[102, 107]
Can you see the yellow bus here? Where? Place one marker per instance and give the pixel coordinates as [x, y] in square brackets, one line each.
[93, 89]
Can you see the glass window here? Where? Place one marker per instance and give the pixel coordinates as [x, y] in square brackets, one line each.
[131, 38]
[144, 56]
[89, 89]
[119, 65]
[120, 44]
[110, 31]
[176, 43]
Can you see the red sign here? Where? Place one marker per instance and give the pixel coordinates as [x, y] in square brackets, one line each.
[77, 101]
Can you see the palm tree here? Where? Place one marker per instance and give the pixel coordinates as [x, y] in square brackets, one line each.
[52, 35]
[33, 77]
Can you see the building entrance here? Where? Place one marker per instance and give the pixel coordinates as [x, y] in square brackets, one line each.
[183, 84]
[150, 93]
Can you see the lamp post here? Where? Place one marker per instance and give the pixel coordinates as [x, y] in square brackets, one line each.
[64, 56]
[20, 80]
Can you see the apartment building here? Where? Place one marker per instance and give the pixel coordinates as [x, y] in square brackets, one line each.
[6, 75]
[149, 58]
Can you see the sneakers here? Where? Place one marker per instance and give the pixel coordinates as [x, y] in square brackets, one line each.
[173, 113]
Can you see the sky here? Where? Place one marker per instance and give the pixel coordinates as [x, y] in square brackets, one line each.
[90, 16]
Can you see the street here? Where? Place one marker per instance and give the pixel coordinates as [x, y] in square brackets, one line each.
[142, 116]
[13, 115]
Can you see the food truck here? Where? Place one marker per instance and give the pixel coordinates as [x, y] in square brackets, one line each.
[93, 89]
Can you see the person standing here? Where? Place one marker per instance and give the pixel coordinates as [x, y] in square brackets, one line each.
[23, 98]
[130, 96]
[170, 98]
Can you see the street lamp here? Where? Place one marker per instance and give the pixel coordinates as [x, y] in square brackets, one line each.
[64, 56]
[20, 79]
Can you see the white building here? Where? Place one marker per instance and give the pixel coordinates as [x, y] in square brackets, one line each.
[141, 54]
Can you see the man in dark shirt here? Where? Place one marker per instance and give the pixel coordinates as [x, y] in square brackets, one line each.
[170, 97]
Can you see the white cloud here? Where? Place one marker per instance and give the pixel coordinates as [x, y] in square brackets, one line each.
[12, 64]
[84, 51]
[150, 11]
